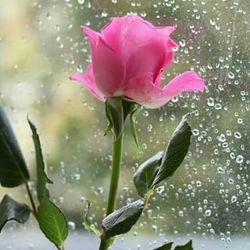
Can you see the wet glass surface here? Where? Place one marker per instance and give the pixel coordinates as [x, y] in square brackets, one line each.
[208, 198]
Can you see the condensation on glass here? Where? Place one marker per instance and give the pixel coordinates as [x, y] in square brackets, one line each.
[208, 198]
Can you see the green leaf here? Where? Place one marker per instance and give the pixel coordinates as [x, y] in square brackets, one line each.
[146, 173]
[122, 220]
[115, 115]
[12, 210]
[175, 152]
[13, 169]
[117, 111]
[188, 246]
[165, 246]
[52, 222]
[168, 246]
[133, 129]
[42, 178]
[128, 108]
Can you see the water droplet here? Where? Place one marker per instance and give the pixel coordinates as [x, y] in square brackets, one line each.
[149, 127]
[221, 170]
[230, 75]
[217, 106]
[79, 68]
[77, 177]
[237, 134]
[239, 159]
[212, 21]
[210, 102]
[222, 138]
[48, 15]
[180, 213]
[195, 132]
[233, 199]
[160, 189]
[72, 225]
[182, 43]
[154, 228]
[61, 199]
[100, 190]
[208, 213]
[198, 183]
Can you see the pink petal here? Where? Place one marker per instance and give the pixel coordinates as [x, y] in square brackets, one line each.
[169, 54]
[170, 45]
[188, 81]
[92, 36]
[108, 68]
[143, 46]
[146, 58]
[163, 64]
[157, 80]
[125, 34]
[88, 81]
[165, 30]
[143, 91]
[137, 88]
[111, 33]
[168, 59]
[120, 30]
[136, 31]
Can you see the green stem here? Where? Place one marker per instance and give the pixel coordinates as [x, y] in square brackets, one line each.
[116, 165]
[31, 199]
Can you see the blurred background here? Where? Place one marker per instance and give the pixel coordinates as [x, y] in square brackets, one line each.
[208, 198]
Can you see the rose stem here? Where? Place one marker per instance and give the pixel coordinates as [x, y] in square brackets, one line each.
[114, 181]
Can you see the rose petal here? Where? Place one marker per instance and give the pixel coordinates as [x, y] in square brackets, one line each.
[168, 59]
[143, 47]
[188, 81]
[108, 68]
[92, 36]
[128, 59]
[165, 30]
[143, 91]
[111, 33]
[146, 58]
[125, 34]
[118, 31]
[169, 54]
[137, 31]
[88, 81]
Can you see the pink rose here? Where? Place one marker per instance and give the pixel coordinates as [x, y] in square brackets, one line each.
[128, 59]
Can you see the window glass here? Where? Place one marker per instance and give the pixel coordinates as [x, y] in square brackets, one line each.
[207, 199]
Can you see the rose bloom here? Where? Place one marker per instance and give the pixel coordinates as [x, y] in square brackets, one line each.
[129, 55]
